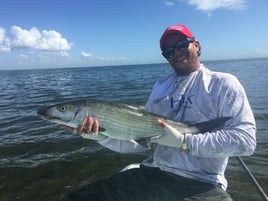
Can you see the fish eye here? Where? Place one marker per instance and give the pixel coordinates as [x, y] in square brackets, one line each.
[62, 108]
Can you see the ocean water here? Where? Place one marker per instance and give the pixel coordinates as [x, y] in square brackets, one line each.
[40, 161]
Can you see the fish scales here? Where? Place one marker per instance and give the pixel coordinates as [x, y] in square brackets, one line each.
[119, 121]
[127, 122]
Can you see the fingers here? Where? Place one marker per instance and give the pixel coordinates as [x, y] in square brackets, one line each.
[81, 127]
[96, 126]
[161, 122]
[88, 125]
[167, 128]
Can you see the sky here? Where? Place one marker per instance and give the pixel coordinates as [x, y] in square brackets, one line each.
[80, 33]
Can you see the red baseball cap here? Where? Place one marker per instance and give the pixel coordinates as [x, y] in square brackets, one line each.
[182, 29]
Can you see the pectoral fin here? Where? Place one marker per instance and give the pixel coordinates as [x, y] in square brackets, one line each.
[145, 142]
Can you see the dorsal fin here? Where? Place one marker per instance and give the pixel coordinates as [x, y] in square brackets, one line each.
[210, 125]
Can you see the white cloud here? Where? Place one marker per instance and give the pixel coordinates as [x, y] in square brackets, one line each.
[210, 5]
[4, 41]
[96, 58]
[42, 59]
[169, 3]
[86, 54]
[25, 39]
[53, 41]
[2, 34]
[261, 52]
[34, 39]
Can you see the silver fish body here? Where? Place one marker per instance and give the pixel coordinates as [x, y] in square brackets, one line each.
[118, 121]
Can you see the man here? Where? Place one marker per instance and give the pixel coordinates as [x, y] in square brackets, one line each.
[184, 166]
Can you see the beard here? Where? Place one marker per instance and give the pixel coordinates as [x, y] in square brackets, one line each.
[185, 63]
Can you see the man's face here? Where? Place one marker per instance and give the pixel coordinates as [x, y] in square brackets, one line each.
[183, 61]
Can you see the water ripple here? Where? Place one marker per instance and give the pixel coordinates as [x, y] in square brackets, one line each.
[28, 142]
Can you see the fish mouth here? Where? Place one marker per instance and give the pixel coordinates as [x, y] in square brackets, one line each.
[51, 119]
[45, 117]
[42, 113]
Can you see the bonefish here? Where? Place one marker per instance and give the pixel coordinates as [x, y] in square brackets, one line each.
[119, 121]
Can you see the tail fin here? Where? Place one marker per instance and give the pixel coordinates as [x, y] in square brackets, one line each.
[210, 125]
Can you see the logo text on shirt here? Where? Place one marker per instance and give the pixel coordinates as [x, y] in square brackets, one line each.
[183, 101]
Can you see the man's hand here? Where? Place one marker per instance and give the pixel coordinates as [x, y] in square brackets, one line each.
[171, 138]
[89, 125]
[88, 128]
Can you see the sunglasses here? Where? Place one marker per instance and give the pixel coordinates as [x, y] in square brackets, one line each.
[179, 46]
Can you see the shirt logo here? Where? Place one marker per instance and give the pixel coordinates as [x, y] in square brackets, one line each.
[183, 101]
